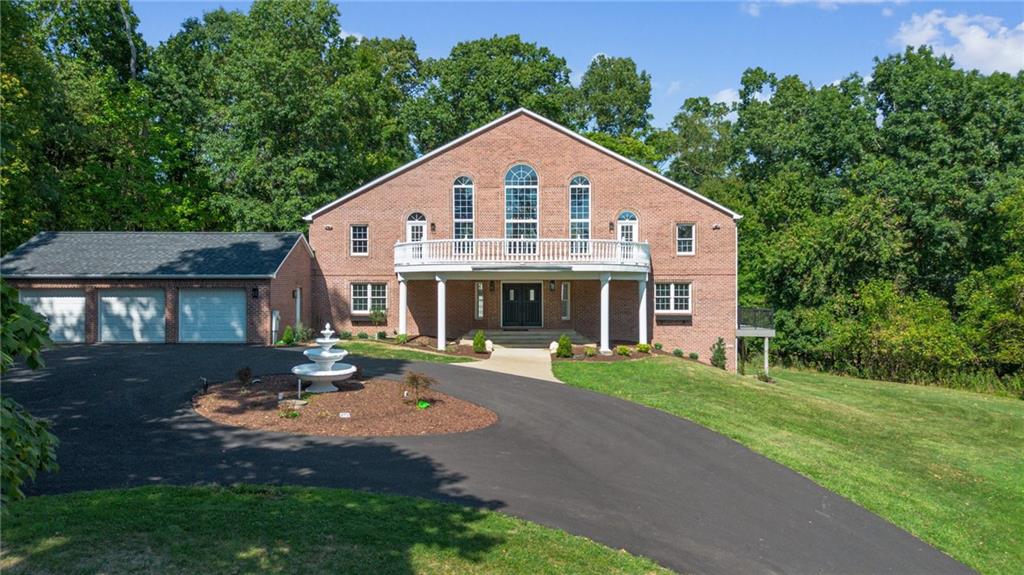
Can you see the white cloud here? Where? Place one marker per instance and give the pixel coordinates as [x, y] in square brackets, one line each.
[886, 11]
[673, 87]
[726, 96]
[974, 41]
[350, 34]
[751, 8]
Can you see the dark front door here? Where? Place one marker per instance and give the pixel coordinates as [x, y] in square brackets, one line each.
[521, 305]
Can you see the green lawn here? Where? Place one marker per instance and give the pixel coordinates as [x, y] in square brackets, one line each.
[391, 351]
[945, 465]
[262, 529]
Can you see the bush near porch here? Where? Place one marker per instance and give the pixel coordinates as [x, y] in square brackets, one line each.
[943, 464]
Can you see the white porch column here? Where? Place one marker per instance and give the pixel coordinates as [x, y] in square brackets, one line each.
[643, 310]
[440, 313]
[766, 357]
[403, 306]
[605, 295]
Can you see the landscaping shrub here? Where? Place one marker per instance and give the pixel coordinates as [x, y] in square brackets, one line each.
[402, 338]
[290, 414]
[694, 356]
[378, 316]
[419, 383]
[564, 346]
[643, 348]
[345, 335]
[718, 354]
[623, 350]
[479, 342]
[382, 335]
[288, 337]
[244, 375]
[677, 352]
[303, 333]
[658, 346]
[589, 351]
[363, 335]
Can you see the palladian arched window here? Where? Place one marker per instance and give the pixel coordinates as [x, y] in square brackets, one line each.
[521, 211]
[579, 214]
[462, 202]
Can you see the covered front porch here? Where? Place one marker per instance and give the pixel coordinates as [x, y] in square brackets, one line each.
[598, 307]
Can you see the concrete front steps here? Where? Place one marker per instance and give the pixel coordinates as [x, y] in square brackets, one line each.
[533, 338]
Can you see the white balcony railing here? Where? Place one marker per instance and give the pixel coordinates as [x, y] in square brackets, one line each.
[522, 251]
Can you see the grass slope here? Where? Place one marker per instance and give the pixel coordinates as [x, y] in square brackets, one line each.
[945, 465]
[262, 529]
[389, 351]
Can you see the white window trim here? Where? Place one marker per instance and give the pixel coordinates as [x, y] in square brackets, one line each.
[369, 297]
[478, 300]
[504, 202]
[590, 209]
[472, 219]
[351, 240]
[672, 299]
[565, 296]
[693, 226]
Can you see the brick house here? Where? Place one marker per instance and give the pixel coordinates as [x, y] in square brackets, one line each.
[523, 224]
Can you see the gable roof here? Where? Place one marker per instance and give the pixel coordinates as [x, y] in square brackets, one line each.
[151, 255]
[501, 120]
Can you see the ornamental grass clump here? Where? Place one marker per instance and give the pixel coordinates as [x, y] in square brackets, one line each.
[419, 383]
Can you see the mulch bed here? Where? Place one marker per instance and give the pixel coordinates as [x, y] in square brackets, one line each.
[377, 408]
[430, 344]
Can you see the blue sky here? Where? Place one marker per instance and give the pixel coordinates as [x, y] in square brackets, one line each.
[690, 48]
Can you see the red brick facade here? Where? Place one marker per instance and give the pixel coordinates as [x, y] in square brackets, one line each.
[556, 157]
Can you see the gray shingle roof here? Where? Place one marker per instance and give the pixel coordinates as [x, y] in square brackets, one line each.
[149, 254]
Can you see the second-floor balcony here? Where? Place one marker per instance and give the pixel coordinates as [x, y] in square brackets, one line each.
[502, 253]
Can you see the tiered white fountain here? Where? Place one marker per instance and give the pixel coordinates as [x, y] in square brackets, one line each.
[323, 369]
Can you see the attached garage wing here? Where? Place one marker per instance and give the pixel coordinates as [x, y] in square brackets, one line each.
[63, 308]
[212, 315]
[132, 316]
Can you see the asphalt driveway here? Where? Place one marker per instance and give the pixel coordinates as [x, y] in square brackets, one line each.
[622, 474]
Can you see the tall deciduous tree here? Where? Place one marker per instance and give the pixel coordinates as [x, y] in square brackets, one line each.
[483, 79]
[615, 97]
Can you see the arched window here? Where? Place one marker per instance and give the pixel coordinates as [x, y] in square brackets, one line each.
[579, 214]
[416, 227]
[417, 217]
[627, 216]
[462, 201]
[521, 213]
[626, 231]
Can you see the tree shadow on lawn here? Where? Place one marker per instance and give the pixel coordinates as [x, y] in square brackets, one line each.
[121, 426]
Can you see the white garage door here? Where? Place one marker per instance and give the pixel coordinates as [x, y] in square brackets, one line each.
[64, 308]
[132, 315]
[211, 315]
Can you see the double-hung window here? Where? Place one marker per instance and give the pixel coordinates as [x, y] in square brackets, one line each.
[521, 215]
[579, 215]
[462, 196]
[359, 240]
[367, 297]
[672, 298]
[686, 239]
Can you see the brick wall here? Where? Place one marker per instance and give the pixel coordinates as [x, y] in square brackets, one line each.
[293, 274]
[615, 186]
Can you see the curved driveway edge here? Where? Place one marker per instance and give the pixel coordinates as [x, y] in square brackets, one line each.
[619, 473]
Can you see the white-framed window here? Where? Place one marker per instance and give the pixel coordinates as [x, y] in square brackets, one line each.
[478, 300]
[359, 240]
[672, 298]
[367, 297]
[521, 210]
[462, 203]
[579, 214]
[686, 239]
[566, 305]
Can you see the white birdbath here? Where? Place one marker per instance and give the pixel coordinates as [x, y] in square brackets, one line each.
[324, 368]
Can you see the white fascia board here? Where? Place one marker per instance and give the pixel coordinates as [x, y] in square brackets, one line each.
[735, 216]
